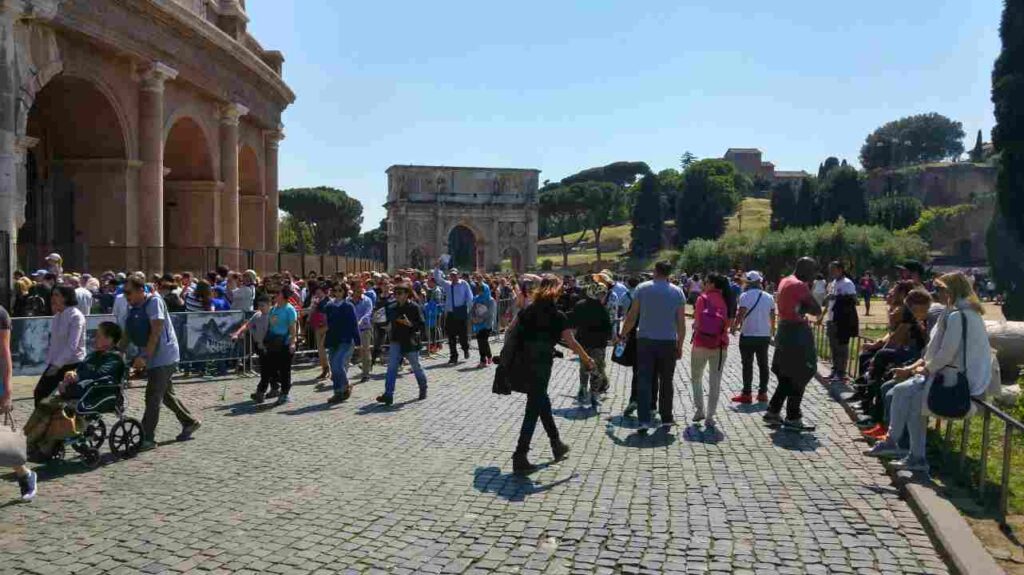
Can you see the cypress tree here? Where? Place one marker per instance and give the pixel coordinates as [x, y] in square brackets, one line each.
[978, 153]
[1006, 235]
[648, 218]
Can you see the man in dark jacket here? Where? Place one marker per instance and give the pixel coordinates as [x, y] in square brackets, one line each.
[406, 335]
[593, 331]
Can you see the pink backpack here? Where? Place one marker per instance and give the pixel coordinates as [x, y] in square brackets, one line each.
[712, 324]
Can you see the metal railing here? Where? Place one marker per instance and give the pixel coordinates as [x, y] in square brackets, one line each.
[972, 471]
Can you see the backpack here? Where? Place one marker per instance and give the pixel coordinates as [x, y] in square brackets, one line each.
[712, 325]
[481, 314]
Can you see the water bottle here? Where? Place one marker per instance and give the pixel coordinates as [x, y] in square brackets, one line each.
[620, 348]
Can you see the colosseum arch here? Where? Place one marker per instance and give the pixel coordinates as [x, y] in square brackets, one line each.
[191, 218]
[252, 199]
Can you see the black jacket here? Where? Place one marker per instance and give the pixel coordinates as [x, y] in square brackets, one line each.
[592, 322]
[406, 336]
[844, 315]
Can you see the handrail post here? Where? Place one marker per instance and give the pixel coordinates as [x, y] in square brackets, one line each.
[986, 426]
[965, 433]
[1004, 494]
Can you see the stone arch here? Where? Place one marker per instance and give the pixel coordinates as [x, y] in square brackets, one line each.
[419, 258]
[515, 258]
[191, 199]
[464, 246]
[251, 221]
[77, 173]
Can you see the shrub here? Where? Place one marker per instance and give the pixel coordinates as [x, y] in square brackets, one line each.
[547, 265]
[775, 253]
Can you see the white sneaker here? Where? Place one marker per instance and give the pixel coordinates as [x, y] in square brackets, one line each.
[908, 464]
[884, 450]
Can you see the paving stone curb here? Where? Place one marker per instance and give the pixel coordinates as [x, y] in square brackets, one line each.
[963, 551]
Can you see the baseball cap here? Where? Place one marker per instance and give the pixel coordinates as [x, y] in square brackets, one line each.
[754, 277]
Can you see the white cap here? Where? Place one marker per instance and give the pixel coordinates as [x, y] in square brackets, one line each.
[754, 277]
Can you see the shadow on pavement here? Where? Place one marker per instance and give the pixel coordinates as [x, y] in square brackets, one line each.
[376, 408]
[750, 408]
[246, 407]
[661, 437]
[794, 440]
[510, 486]
[313, 408]
[575, 413]
[697, 434]
[623, 422]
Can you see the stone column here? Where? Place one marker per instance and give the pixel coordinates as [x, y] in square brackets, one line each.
[493, 244]
[150, 214]
[229, 117]
[531, 238]
[270, 240]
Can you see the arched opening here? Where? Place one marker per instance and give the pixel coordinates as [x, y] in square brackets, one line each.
[251, 220]
[77, 177]
[418, 259]
[512, 258]
[964, 250]
[191, 199]
[462, 246]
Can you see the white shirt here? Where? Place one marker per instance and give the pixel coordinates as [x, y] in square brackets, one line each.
[757, 322]
[839, 287]
[84, 297]
[456, 294]
[945, 348]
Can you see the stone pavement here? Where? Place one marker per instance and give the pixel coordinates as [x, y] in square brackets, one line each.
[425, 487]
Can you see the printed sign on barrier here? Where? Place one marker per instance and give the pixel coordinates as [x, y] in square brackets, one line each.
[202, 336]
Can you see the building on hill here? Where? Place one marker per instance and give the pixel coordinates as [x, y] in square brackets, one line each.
[479, 216]
[140, 134]
[937, 184]
[749, 162]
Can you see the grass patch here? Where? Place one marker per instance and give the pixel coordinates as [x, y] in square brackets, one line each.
[756, 216]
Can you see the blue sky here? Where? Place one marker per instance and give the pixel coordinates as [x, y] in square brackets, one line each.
[564, 85]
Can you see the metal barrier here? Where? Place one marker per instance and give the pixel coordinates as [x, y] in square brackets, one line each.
[203, 337]
[824, 350]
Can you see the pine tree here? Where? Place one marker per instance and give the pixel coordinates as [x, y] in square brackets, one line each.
[978, 152]
[1006, 235]
[648, 218]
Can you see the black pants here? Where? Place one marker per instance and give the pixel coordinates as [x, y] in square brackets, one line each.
[48, 383]
[632, 391]
[790, 392]
[379, 335]
[867, 304]
[656, 364]
[265, 380]
[484, 344]
[278, 369]
[538, 405]
[752, 347]
[457, 336]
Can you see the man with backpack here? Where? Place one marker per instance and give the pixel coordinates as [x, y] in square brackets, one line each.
[660, 308]
[148, 325]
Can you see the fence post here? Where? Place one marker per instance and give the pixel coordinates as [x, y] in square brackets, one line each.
[1004, 493]
[985, 436]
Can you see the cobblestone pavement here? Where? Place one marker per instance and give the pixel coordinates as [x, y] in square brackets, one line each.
[425, 487]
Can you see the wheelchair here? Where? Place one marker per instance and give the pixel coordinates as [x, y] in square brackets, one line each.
[104, 396]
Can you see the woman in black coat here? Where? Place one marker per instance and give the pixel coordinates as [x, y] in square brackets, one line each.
[542, 326]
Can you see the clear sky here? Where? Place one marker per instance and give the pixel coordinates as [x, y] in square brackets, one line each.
[563, 85]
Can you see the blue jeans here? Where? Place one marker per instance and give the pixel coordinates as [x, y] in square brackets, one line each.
[339, 358]
[395, 356]
[886, 391]
[656, 364]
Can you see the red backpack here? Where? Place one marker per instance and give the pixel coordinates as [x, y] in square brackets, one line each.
[711, 325]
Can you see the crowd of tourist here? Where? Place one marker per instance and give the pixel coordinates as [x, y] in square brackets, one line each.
[361, 319]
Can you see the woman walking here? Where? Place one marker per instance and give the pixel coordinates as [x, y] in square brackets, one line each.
[26, 478]
[406, 340]
[67, 341]
[713, 311]
[484, 312]
[341, 339]
[542, 326]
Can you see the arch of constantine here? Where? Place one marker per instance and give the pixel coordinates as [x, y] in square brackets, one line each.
[480, 216]
[134, 134]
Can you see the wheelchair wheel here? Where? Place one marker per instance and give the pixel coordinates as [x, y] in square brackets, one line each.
[59, 453]
[91, 457]
[126, 438]
[95, 432]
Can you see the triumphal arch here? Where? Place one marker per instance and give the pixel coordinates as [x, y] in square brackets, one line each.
[479, 216]
[137, 134]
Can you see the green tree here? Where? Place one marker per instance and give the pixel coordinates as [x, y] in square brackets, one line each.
[913, 140]
[709, 195]
[783, 200]
[827, 166]
[978, 151]
[687, 159]
[842, 194]
[332, 216]
[563, 211]
[295, 236]
[671, 184]
[605, 204]
[618, 173]
[808, 201]
[895, 213]
[1006, 234]
[648, 216]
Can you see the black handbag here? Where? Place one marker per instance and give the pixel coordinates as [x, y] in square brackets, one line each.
[628, 357]
[503, 374]
[952, 401]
